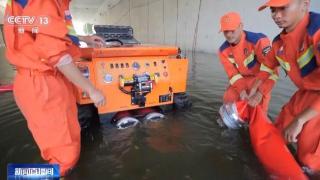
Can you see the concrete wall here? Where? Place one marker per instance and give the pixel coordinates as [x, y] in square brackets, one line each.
[190, 24]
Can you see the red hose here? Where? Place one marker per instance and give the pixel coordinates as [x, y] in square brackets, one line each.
[6, 88]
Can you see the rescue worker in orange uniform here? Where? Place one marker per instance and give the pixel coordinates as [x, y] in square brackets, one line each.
[297, 50]
[43, 54]
[241, 55]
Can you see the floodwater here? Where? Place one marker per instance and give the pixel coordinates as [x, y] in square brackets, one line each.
[186, 145]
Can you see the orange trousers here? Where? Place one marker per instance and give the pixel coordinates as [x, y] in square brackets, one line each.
[308, 145]
[231, 95]
[48, 103]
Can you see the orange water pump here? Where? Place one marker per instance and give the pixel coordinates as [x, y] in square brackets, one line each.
[133, 76]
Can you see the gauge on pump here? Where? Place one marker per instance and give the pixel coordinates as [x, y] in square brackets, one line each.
[136, 66]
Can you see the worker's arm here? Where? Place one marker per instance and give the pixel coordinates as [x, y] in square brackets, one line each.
[261, 89]
[262, 86]
[235, 78]
[316, 104]
[316, 44]
[94, 41]
[295, 127]
[73, 74]
[266, 80]
[49, 45]
[264, 52]
[269, 65]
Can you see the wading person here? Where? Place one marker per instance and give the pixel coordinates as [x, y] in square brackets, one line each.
[43, 86]
[241, 56]
[297, 50]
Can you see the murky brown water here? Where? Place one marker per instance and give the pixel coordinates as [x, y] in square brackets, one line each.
[185, 145]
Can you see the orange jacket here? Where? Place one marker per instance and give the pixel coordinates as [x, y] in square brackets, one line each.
[298, 53]
[244, 59]
[39, 51]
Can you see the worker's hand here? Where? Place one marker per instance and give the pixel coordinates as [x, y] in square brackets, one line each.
[255, 87]
[243, 95]
[94, 41]
[293, 130]
[255, 99]
[97, 97]
[295, 127]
